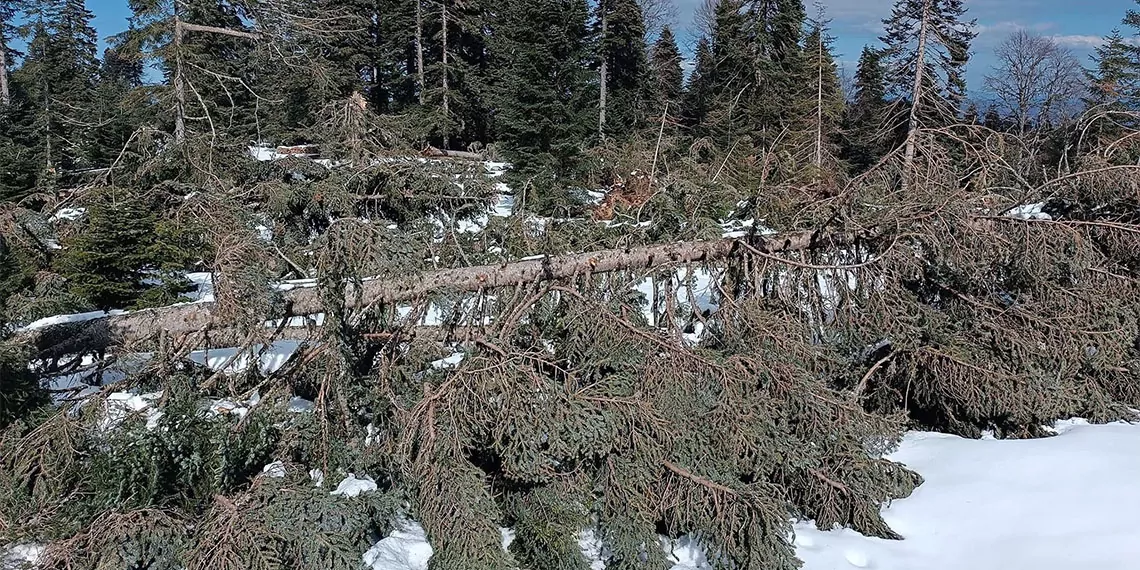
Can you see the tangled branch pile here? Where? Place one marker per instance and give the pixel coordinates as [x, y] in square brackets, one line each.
[717, 393]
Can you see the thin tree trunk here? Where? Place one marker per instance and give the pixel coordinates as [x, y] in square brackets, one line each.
[603, 75]
[179, 81]
[5, 96]
[819, 111]
[446, 102]
[420, 49]
[916, 93]
[183, 319]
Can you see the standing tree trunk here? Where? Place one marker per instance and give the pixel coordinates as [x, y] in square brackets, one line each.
[603, 74]
[179, 82]
[819, 110]
[420, 49]
[5, 96]
[916, 95]
[446, 102]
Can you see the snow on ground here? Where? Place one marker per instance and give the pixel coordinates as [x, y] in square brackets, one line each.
[1029, 212]
[1062, 503]
[271, 358]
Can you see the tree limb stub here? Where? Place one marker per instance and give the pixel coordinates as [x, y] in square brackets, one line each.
[179, 320]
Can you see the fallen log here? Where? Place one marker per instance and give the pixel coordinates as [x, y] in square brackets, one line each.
[433, 152]
[179, 320]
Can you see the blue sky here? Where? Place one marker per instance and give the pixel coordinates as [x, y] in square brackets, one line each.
[1078, 24]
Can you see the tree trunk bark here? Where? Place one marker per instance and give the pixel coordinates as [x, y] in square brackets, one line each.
[5, 95]
[916, 94]
[420, 50]
[179, 82]
[819, 110]
[139, 326]
[446, 102]
[603, 74]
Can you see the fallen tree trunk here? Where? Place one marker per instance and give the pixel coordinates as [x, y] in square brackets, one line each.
[178, 320]
[433, 152]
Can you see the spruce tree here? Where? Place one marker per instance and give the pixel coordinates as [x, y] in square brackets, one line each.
[119, 107]
[106, 262]
[733, 76]
[865, 134]
[542, 91]
[927, 48]
[56, 78]
[780, 66]
[624, 71]
[1114, 80]
[208, 75]
[698, 91]
[7, 54]
[826, 94]
[668, 77]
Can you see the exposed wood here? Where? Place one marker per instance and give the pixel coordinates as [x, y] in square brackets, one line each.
[916, 96]
[5, 97]
[179, 320]
[221, 31]
[420, 82]
[433, 152]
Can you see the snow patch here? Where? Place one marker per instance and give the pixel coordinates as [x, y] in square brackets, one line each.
[270, 358]
[69, 214]
[351, 486]
[407, 548]
[1029, 212]
[1057, 503]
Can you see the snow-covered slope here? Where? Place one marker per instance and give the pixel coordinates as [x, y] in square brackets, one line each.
[1064, 503]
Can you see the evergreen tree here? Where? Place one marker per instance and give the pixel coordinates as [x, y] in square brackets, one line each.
[781, 68]
[57, 78]
[733, 76]
[927, 48]
[106, 262]
[668, 77]
[542, 90]
[698, 92]
[826, 94]
[865, 116]
[7, 54]
[1114, 80]
[993, 120]
[209, 75]
[119, 106]
[624, 68]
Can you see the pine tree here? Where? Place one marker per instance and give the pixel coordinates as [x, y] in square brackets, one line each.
[1114, 80]
[106, 262]
[7, 54]
[624, 71]
[927, 48]
[56, 80]
[827, 94]
[542, 89]
[698, 89]
[865, 117]
[668, 77]
[119, 107]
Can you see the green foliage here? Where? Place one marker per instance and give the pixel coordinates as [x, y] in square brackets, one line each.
[20, 390]
[112, 261]
[542, 91]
